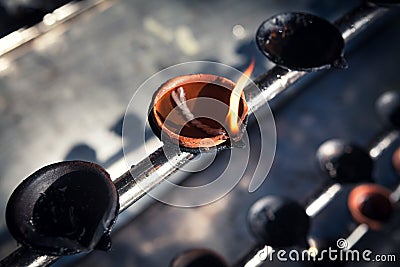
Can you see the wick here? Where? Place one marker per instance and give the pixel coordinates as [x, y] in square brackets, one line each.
[181, 104]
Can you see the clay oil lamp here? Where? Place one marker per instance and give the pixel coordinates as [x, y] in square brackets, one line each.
[275, 222]
[301, 41]
[200, 111]
[344, 162]
[278, 222]
[396, 160]
[64, 208]
[371, 204]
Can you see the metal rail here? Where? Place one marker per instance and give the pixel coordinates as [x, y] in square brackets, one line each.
[59, 16]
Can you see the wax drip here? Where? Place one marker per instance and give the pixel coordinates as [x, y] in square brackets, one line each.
[180, 101]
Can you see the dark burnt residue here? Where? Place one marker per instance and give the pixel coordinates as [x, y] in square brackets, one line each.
[64, 208]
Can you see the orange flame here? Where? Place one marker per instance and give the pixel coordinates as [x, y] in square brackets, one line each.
[232, 116]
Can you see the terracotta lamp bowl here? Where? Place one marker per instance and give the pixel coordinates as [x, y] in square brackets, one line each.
[371, 204]
[207, 98]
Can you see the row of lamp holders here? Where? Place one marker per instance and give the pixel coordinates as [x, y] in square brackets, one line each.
[278, 222]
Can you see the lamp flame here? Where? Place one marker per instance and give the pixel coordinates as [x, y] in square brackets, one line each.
[232, 117]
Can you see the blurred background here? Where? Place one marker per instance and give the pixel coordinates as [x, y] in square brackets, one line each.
[69, 69]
